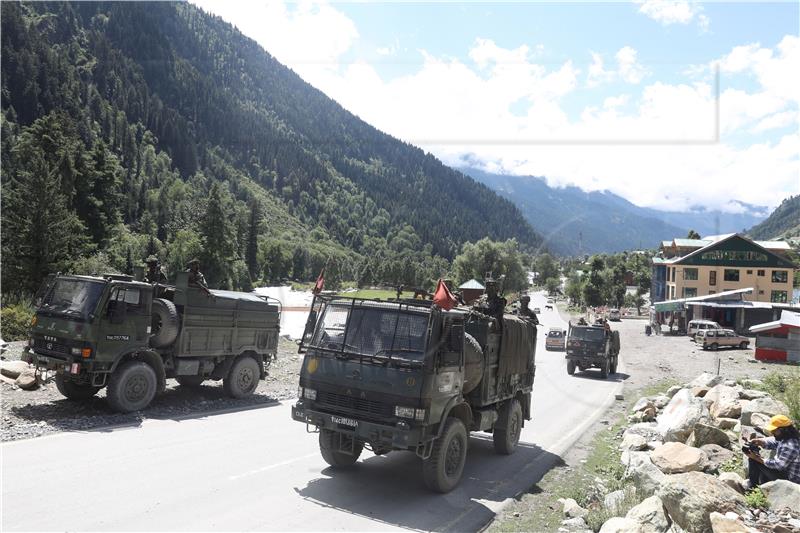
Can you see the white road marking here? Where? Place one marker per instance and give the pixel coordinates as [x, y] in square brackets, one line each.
[270, 467]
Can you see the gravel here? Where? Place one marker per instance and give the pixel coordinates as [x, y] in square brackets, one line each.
[27, 414]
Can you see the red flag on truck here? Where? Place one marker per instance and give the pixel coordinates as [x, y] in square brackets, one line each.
[320, 282]
[443, 297]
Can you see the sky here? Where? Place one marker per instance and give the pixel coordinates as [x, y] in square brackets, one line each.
[671, 104]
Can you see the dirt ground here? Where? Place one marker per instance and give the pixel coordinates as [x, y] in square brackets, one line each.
[27, 414]
[648, 364]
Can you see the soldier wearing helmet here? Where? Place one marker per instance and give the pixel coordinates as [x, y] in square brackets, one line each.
[155, 272]
[526, 312]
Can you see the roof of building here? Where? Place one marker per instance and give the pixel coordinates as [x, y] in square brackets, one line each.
[789, 319]
[774, 245]
[692, 243]
[472, 284]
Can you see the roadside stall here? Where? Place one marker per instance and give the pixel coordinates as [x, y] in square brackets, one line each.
[779, 340]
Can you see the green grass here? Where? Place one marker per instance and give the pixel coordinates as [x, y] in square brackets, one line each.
[756, 499]
[657, 388]
[784, 386]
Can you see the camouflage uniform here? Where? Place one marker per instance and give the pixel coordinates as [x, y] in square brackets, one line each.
[526, 312]
[155, 272]
[196, 278]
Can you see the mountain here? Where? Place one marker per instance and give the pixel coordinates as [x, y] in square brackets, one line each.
[576, 222]
[783, 223]
[156, 127]
[710, 222]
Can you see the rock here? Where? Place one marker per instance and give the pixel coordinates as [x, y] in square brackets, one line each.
[699, 392]
[573, 510]
[705, 434]
[676, 457]
[672, 390]
[613, 501]
[690, 498]
[646, 476]
[733, 480]
[661, 401]
[726, 423]
[706, 380]
[717, 456]
[759, 420]
[751, 394]
[729, 382]
[768, 406]
[782, 494]
[647, 430]
[27, 380]
[750, 383]
[576, 523]
[640, 405]
[12, 369]
[619, 396]
[728, 523]
[619, 524]
[632, 441]
[650, 516]
[726, 404]
[680, 415]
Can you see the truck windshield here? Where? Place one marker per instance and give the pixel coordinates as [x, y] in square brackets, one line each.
[72, 297]
[587, 334]
[381, 333]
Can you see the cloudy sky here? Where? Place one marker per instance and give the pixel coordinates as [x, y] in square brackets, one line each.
[670, 104]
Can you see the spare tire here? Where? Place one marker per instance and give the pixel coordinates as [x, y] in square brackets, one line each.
[473, 363]
[164, 324]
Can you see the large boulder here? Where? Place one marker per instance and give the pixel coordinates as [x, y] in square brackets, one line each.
[705, 434]
[634, 442]
[782, 494]
[691, 497]
[12, 369]
[768, 406]
[717, 456]
[27, 380]
[575, 524]
[676, 457]
[572, 509]
[706, 380]
[650, 515]
[620, 524]
[726, 423]
[613, 501]
[661, 401]
[759, 420]
[673, 390]
[750, 394]
[646, 476]
[648, 430]
[680, 415]
[733, 480]
[725, 402]
[728, 523]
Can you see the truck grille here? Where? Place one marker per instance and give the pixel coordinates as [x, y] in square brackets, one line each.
[348, 405]
[49, 347]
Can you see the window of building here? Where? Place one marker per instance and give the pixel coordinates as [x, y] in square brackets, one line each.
[761, 273]
[761, 291]
[731, 274]
[690, 274]
[749, 271]
[712, 277]
[673, 273]
[778, 297]
[780, 276]
[712, 292]
[689, 292]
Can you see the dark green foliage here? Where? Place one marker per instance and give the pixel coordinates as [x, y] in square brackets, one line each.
[498, 258]
[593, 289]
[15, 320]
[783, 222]
[692, 234]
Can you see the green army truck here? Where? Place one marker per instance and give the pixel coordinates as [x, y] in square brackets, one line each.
[592, 346]
[129, 336]
[406, 375]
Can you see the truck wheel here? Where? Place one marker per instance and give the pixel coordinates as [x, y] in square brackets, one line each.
[164, 324]
[614, 365]
[328, 447]
[74, 391]
[132, 387]
[570, 367]
[243, 378]
[506, 436]
[190, 381]
[604, 369]
[442, 470]
[743, 345]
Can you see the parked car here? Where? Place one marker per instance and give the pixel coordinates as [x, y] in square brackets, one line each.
[556, 339]
[537, 310]
[551, 301]
[700, 325]
[716, 338]
[614, 314]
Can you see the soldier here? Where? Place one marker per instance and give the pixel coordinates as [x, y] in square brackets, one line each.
[155, 272]
[196, 278]
[526, 312]
[492, 304]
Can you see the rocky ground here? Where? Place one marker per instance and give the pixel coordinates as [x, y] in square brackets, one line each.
[593, 469]
[27, 414]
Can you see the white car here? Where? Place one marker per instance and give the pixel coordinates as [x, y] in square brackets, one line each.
[614, 314]
[537, 310]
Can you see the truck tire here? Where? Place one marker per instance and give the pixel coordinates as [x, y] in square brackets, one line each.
[74, 391]
[328, 447]
[615, 344]
[614, 364]
[165, 324]
[604, 368]
[131, 387]
[508, 428]
[570, 367]
[442, 470]
[190, 381]
[242, 379]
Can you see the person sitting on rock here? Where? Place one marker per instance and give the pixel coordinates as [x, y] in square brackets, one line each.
[785, 440]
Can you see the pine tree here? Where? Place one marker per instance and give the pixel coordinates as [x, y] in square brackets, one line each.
[251, 253]
[219, 239]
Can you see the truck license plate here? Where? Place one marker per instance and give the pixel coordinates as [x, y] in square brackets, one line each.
[344, 421]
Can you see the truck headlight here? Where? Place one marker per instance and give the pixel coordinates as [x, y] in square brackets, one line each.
[409, 412]
[309, 394]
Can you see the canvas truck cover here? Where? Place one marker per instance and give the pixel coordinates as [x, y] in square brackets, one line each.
[517, 346]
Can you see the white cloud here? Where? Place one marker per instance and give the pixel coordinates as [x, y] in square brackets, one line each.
[669, 12]
[628, 68]
[778, 120]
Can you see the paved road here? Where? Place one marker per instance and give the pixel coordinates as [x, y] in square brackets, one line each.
[258, 470]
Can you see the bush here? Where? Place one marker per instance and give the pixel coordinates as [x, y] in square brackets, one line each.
[756, 499]
[15, 319]
[785, 386]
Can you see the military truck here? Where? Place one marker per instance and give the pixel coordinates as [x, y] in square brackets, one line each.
[129, 336]
[592, 346]
[407, 375]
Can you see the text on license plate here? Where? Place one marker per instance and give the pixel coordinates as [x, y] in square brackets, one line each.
[344, 421]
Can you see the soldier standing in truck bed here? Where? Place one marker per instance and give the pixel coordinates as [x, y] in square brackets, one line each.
[196, 278]
[526, 312]
[155, 272]
[492, 304]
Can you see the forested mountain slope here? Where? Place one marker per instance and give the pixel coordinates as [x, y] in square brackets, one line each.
[784, 222]
[154, 127]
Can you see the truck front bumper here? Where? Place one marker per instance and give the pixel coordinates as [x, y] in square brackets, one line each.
[401, 436]
[586, 359]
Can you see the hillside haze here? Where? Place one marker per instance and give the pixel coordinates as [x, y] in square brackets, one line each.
[783, 223]
[183, 111]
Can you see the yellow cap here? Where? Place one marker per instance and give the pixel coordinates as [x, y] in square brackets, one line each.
[778, 421]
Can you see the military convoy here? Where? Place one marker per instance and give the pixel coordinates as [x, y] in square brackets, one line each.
[130, 336]
[408, 375]
[592, 346]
